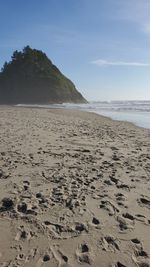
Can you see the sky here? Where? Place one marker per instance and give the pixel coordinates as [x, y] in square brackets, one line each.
[103, 46]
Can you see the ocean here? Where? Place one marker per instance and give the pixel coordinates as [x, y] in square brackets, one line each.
[137, 112]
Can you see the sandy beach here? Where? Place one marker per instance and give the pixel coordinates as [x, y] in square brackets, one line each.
[74, 190]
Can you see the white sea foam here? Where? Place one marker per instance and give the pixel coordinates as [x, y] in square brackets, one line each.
[137, 112]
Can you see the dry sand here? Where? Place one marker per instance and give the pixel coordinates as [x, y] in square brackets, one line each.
[74, 190]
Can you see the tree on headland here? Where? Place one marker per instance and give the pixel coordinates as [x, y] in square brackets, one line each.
[16, 55]
[4, 66]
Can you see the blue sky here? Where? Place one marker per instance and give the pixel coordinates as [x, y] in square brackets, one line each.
[103, 46]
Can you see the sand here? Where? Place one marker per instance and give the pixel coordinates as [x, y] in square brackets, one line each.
[74, 190]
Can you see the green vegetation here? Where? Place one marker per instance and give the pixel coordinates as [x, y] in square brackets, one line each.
[31, 78]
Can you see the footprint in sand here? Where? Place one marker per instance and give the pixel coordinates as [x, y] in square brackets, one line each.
[140, 257]
[83, 254]
[109, 206]
[126, 222]
[128, 216]
[144, 201]
[53, 257]
[23, 234]
[109, 243]
[120, 197]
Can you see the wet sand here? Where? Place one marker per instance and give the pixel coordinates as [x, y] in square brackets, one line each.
[74, 190]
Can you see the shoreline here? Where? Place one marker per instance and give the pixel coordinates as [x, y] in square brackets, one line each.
[74, 189]
[82, 110]
[86, 111]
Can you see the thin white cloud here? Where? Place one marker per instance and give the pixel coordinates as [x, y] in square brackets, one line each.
[105, 63]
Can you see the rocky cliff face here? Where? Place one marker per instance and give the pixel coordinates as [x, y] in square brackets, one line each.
[31, 78]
